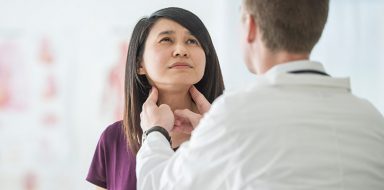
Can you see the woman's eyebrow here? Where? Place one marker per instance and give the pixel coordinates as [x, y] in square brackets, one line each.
[166, 32]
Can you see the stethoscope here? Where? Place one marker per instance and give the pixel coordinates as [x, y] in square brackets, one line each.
[309, 71]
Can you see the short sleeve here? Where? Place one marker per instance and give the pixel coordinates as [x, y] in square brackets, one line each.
[97, 171]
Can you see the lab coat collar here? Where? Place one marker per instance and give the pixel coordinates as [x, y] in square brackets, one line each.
[294, 66]
[279, 75]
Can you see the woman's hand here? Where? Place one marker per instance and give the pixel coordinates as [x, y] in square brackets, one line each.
[153, 115]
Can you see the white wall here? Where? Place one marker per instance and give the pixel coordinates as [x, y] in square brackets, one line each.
[55, 58]
[353, 44]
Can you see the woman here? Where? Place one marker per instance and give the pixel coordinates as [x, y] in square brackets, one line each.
[171, 50]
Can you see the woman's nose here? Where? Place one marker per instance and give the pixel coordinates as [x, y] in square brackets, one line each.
[180, 51]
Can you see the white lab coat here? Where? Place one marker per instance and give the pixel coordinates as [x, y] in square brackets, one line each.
[287, 131]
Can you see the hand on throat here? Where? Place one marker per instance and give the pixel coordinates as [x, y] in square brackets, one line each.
[177, 99]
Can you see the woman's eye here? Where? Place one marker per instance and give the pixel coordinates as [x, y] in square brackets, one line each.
[165, 40]
[192, 41]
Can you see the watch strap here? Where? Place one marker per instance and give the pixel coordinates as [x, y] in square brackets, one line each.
[159, 129]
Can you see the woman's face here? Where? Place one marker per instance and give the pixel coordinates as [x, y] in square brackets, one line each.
[172, 55]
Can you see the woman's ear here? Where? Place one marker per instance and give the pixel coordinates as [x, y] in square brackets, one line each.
[141, 71]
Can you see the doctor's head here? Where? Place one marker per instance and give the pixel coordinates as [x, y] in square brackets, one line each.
[273, 26]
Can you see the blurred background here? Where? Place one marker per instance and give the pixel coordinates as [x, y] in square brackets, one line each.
[62, 64]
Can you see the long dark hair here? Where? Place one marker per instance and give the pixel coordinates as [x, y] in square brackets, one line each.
[137, 86]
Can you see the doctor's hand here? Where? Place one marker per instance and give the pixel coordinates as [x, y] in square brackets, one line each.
[153, 115]
[186, 120]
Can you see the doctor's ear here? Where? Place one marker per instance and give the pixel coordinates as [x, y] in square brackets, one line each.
[251, 28]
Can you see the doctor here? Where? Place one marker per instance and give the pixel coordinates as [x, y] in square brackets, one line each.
[296, 127]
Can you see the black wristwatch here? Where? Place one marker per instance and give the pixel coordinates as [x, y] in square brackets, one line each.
[159, 129]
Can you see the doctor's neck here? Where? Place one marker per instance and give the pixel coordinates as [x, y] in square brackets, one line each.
[269, 59]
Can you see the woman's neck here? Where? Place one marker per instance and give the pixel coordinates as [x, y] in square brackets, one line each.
[177, 99]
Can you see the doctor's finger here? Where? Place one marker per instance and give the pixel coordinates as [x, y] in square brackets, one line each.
[202, 103]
